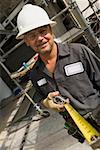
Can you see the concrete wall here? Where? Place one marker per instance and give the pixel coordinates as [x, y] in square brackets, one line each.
[4, 90]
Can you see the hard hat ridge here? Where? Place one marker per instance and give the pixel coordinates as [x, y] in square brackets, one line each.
[31, 17]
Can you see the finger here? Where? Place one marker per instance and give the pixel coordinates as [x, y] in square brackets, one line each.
[61, 109]
[67, 101]
[53, 94]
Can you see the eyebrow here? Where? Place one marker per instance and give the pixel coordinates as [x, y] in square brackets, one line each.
[36, 29]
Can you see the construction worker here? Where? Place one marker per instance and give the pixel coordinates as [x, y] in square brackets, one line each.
[61, 69]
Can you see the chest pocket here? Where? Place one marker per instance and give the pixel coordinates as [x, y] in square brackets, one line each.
[41, 82]
[74, 68]
[45, 86]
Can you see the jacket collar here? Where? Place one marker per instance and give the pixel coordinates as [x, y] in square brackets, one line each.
[63, 49]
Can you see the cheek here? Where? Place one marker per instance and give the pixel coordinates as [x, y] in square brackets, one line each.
[48, 36]
[32, 43]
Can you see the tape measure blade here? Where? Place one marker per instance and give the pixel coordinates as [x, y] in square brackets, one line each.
[85, 127]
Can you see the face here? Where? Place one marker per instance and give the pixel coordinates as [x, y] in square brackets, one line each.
[40, 39]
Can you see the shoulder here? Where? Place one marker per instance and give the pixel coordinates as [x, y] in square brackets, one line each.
[34, 70]
[77, 46]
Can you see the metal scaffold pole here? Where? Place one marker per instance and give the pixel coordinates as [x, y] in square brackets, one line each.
[81, 21]
[41, 112]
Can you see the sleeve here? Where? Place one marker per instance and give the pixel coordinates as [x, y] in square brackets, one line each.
[93, 66]
[38, 96]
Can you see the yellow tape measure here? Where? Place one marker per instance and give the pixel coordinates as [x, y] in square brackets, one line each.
[89, 132]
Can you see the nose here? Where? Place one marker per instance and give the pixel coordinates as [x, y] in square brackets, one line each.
[40, 37]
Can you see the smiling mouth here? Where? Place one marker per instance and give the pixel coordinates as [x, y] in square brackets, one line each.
[43, 45]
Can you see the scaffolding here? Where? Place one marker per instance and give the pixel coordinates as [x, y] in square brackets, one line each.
[83, 29]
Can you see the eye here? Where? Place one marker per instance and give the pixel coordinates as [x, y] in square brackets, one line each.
[43, 31]
[32, 36]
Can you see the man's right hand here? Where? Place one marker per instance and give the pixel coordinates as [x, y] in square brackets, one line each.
[49, 103]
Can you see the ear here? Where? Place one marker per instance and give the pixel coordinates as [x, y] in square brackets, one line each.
[26, 42]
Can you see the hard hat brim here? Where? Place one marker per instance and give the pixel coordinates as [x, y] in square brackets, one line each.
[20, 35]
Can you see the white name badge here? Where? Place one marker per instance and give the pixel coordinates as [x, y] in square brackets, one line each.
[74, 68]
[41, 82]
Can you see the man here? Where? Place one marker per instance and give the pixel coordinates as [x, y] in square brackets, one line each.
[69, 70]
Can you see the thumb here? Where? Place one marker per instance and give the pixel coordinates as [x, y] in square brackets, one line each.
[53, 94]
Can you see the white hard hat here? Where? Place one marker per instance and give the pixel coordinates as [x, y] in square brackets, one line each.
[31, 17]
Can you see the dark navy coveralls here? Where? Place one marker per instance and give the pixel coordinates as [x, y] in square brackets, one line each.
[77, 71]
